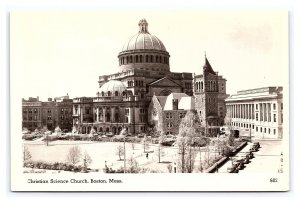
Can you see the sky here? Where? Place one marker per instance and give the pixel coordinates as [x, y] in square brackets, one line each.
[55, 53]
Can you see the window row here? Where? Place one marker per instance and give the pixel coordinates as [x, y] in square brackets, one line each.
[251, 126]
[141, 59]
[137, 83]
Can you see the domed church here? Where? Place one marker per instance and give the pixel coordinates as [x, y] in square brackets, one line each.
[123, 98]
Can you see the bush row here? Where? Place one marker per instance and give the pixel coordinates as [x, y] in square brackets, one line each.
[53, 166]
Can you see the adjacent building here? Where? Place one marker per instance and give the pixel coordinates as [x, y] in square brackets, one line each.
[52, 113]
[210, 95]
[257, 111]
[166, 112]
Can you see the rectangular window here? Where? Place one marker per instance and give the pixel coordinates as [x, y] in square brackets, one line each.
[49, 110]
[169, 115]
[181, 115]
[256, 116]
[35, 118]
[24, 110]
[281, 106]
[275, 118]
[126, 111]
[281, 118]
[256, 129]
[265, 130]
[274, 106]
[274, 131]
[87, 111]
[261, 129]
[269, 130]
[256, 106]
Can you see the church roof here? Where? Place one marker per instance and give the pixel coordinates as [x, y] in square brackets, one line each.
[162, 100]
[207, 67]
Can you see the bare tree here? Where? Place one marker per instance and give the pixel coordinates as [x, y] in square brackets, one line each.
[26, 154]
[74, 155]
[87, 160]
[185, 139]
[120, 151]
[133, 166]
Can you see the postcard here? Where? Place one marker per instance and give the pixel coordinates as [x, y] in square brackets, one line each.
[152, 100]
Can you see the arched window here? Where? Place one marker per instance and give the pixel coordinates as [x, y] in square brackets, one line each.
[136, 58]
[156, 59]
[201, 84]
[159, 59]
[102, 94]
[107, 129]
[109, 93]
[141, 59]
[147, 58]
[116, 93]
[130, 59]
[100, 129]
[151, 59]
[127, 59]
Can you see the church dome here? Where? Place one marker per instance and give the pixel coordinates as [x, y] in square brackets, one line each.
[144, 51]
[143, 40]
[112, 88]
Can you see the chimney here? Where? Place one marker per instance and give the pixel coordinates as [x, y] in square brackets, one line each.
[175, 104]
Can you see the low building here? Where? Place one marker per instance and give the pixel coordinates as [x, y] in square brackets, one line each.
[166, 112]
[257, 111]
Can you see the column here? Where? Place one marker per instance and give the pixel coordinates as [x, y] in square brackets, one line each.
[81, 116]
[234, 108]
[248, 111]
[104, 116]
[97, 114]
[112, 114]
[131, 115]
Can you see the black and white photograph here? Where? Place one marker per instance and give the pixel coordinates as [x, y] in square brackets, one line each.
[103, 99]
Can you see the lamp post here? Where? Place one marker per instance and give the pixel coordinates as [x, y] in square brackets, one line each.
[124, 155]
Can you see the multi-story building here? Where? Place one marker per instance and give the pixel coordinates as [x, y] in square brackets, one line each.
[50, 114]
[31, 113]
[124, 97]
[210, 95]
[257, 110]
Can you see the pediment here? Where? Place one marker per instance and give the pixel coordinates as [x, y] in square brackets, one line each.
[164, 82]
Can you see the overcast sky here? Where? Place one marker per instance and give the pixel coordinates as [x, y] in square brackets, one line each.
[55, 53]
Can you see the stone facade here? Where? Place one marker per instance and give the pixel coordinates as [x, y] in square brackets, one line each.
[144, 71]
[210, 95]
[257, 111]
[50, 114]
